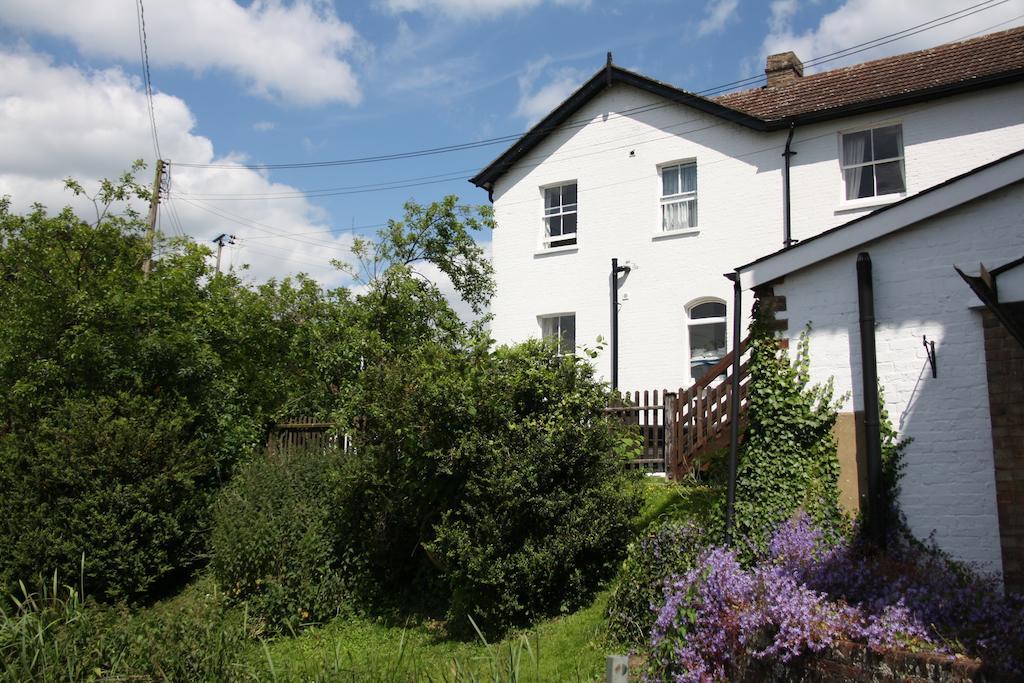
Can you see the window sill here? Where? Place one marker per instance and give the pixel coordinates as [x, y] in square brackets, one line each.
[869, 203]
[552, 251]
[669, 234]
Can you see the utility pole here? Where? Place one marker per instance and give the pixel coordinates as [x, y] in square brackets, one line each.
[219, 240]
[154, 201]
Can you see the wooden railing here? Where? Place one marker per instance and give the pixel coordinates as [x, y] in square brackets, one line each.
[698, 416]
[680, 427]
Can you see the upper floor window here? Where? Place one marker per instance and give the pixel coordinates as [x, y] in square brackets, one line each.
[679, 196]
[560, 215]
[561, 329]
[872, 162]
[706, 327]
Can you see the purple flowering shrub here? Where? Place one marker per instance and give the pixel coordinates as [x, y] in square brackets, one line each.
[803, 595]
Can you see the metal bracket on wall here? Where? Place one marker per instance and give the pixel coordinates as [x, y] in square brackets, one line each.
[929, 348]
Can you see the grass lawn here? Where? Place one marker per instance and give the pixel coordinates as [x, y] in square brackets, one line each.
[567, 648]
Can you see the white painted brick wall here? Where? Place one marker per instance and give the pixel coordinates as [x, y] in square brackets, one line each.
[949, 486]
[740, 208]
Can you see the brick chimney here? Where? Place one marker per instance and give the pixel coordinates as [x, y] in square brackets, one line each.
[783, 68]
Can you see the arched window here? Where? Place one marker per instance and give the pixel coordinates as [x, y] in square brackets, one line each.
[706, 332]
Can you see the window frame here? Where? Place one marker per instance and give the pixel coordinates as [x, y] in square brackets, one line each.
[876, 198]
[558, 333]
[691, 322]
[679, 197]
[546, 241]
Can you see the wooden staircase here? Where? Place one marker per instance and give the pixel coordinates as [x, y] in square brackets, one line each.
[680, 429]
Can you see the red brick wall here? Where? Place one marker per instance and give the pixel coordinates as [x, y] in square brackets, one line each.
[1004, 358]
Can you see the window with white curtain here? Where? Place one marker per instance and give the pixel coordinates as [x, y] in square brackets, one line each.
[706, 329]
[679, 196]
[561, 329]
[872, 162]
[560, 215]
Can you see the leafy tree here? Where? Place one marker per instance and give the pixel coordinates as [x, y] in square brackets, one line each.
[125, 401]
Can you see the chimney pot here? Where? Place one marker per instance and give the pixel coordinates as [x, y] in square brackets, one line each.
[783, 68]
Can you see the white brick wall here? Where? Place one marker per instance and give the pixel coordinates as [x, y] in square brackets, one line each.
[949, 486]
[739, 196]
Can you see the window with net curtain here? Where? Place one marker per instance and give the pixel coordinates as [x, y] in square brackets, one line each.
[679, 196]
[562, 330]
[873, 164]
[706, 328]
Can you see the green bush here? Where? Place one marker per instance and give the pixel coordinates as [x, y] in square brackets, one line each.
[668, 548]
[273, 539]
[115, 480]
[486, 484]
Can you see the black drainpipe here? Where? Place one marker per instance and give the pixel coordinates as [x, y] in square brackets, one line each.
[875, 521]
[787, 224]
[734, 406]
[616, 269]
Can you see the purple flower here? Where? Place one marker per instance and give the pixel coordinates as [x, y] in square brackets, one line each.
[803, 596]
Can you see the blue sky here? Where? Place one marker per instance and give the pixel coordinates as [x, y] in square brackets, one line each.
[269, 82]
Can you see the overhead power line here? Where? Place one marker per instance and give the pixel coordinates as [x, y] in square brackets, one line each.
[147, 81]
[869, 44]
[445, 149]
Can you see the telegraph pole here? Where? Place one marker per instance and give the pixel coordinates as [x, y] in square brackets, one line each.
[154, 201]
[219, 240]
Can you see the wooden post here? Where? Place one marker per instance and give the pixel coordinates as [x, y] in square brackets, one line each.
[669, 420]
[154, 201]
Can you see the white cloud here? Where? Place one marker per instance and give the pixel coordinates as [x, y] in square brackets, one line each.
[782, 12]
[858, 21]
[717, 14]
[293, 53]
[536, 101]
[60, 121]
[264, 126]
[465, 9]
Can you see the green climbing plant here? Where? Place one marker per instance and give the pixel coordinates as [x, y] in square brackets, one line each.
[788, 460]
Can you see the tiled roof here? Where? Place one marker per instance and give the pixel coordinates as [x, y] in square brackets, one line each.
[935, 68]
[983, 62]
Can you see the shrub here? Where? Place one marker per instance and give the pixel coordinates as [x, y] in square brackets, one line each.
[118, 480]
[804, 594]
[669, 548]
[488, 482]
[273, 540]
[542, 511]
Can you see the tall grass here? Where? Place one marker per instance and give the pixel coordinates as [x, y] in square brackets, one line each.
[55, 634]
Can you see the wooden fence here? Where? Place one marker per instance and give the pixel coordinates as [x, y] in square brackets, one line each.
[305, 433]
[678, 428]
[646, 410]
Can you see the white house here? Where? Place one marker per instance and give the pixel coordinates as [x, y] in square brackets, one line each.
[681, 188]
[947, 267]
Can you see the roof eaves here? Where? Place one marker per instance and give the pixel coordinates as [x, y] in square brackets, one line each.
[803, 246]
[604, 78]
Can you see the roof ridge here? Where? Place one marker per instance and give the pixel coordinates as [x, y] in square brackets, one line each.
[958, 44]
